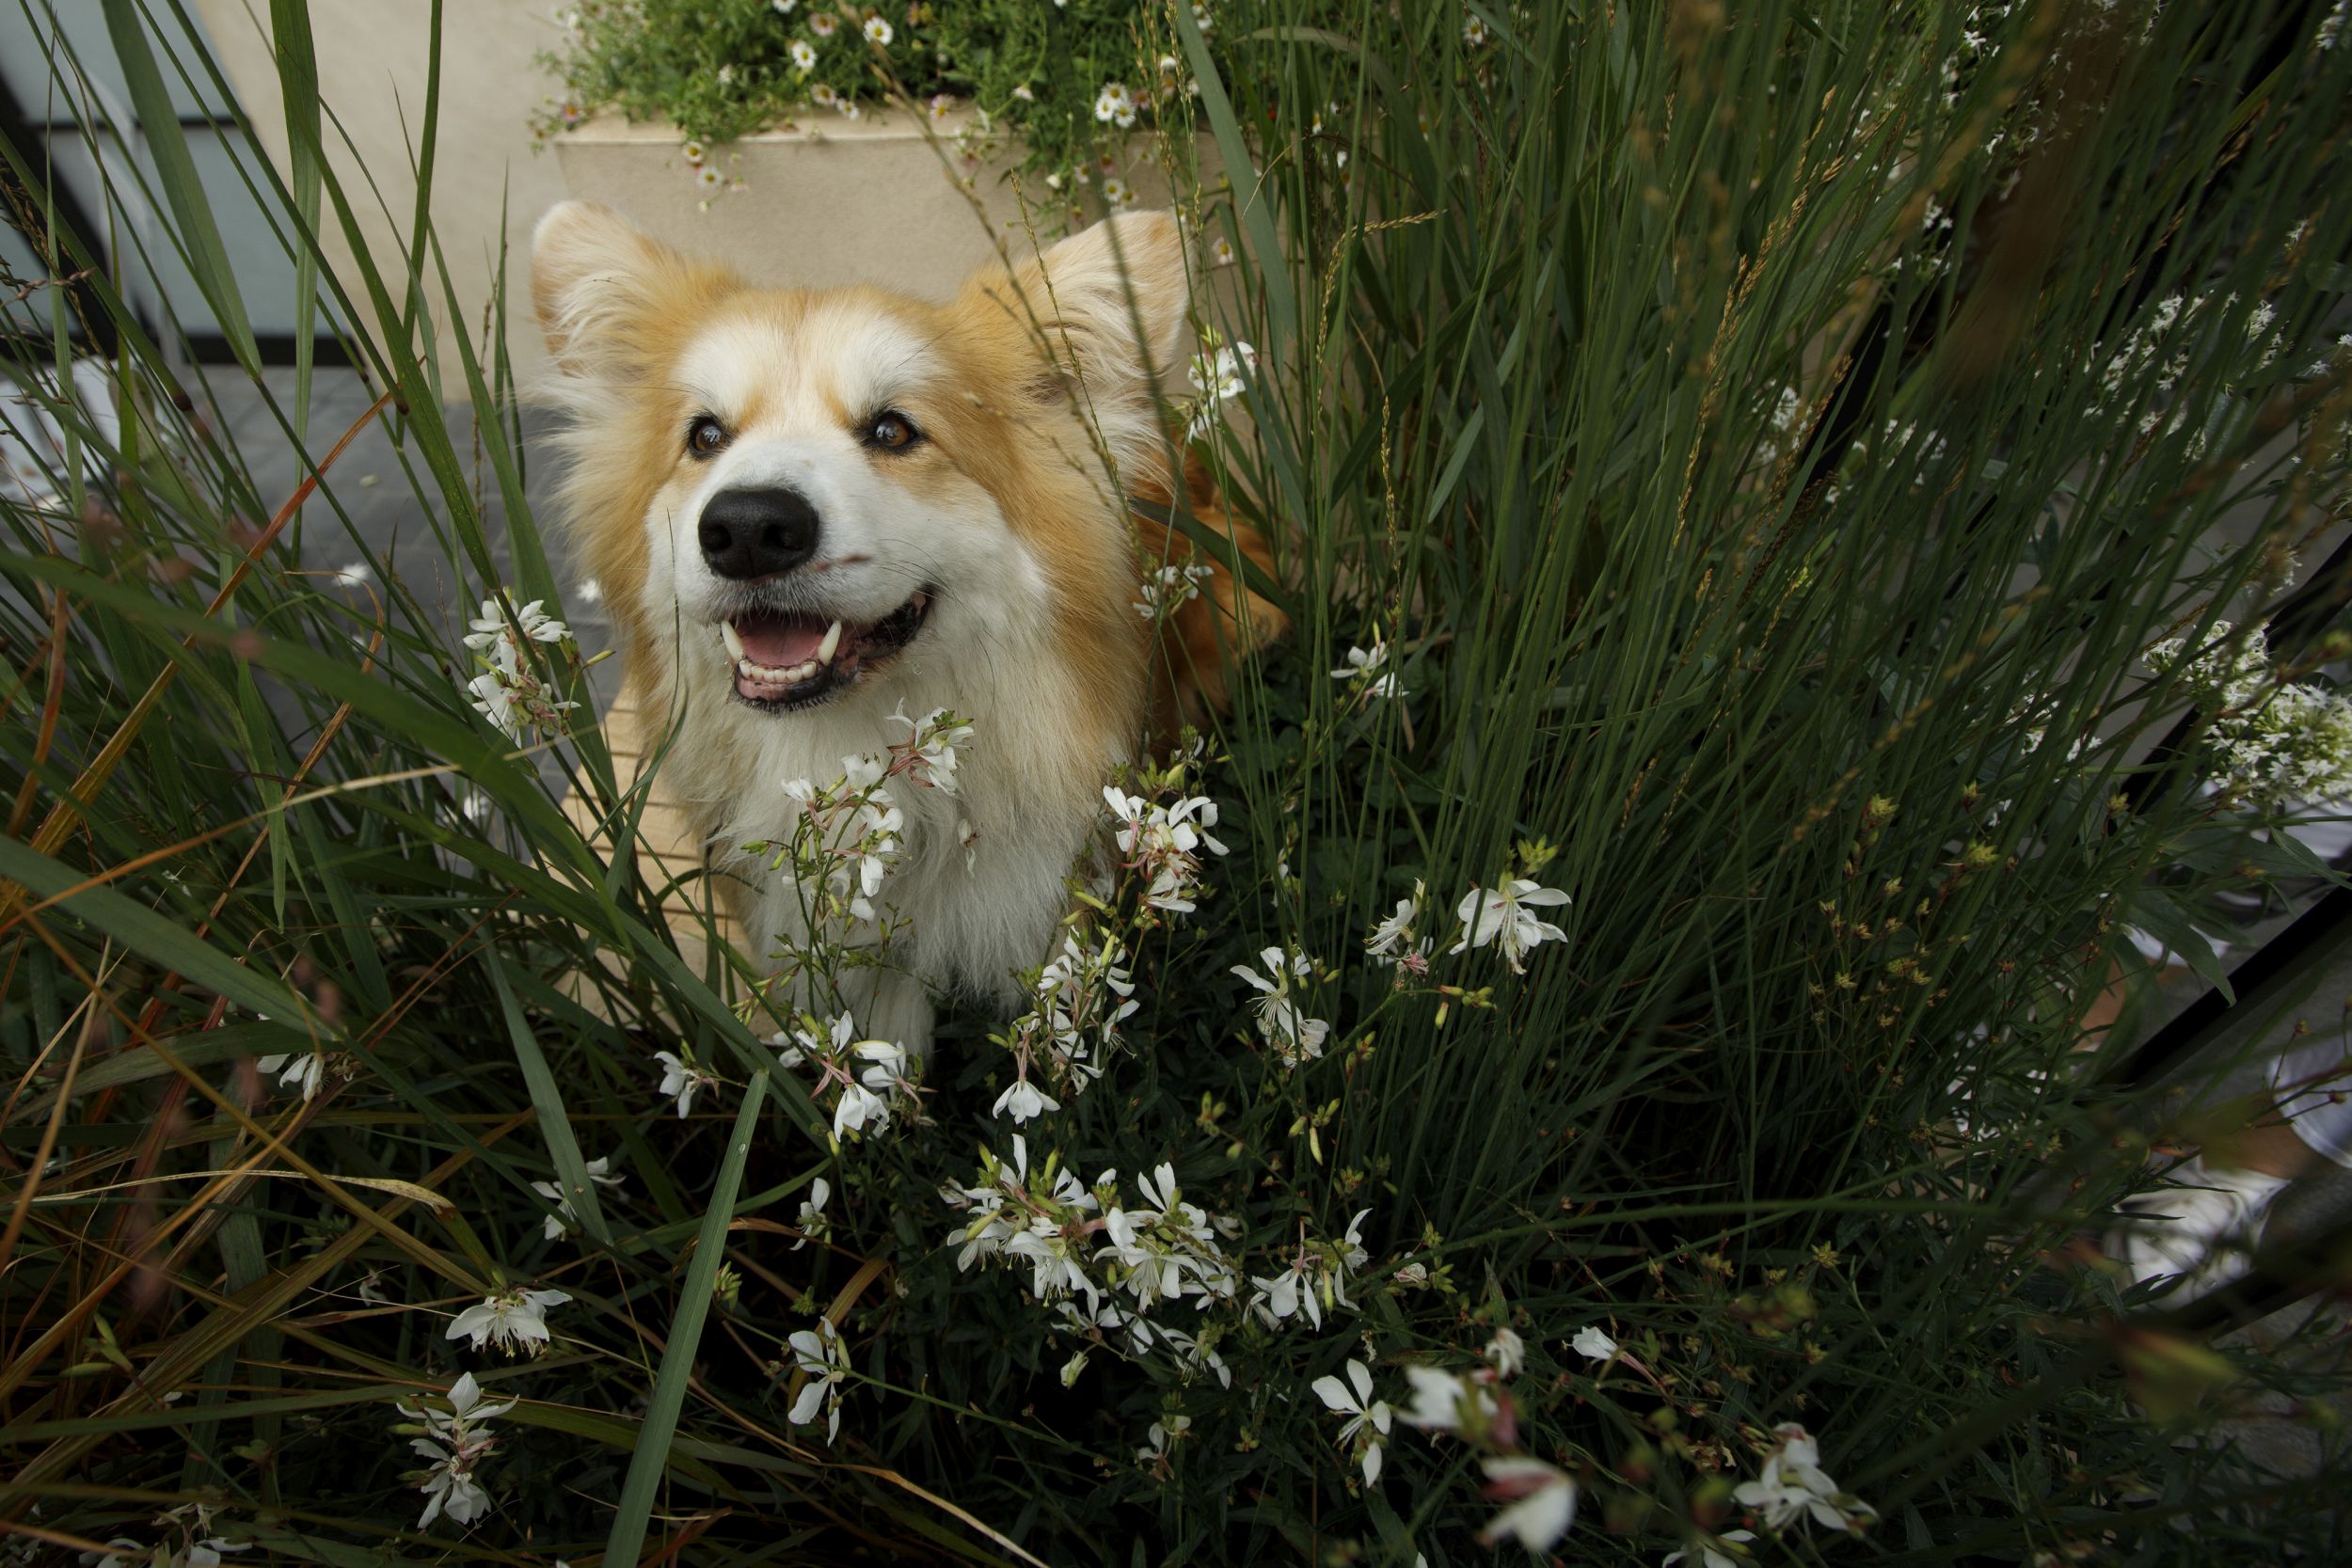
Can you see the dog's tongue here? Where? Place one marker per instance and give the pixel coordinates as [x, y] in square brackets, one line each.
[781, 641]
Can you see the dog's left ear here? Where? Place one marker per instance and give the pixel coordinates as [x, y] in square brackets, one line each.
[1105, 306]
[599, 288]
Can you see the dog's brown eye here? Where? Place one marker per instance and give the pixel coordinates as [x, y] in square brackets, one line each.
[891, 431]
[704, 436]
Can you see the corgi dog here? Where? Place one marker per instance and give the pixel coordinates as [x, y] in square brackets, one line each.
[812, 510]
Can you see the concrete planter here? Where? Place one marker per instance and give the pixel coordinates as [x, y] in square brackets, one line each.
[831, 200]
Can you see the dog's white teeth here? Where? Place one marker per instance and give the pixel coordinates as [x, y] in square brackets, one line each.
[805, 670]
[832, 641]
[734, 641]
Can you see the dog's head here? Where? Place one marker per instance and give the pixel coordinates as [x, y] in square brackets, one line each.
[789, 494]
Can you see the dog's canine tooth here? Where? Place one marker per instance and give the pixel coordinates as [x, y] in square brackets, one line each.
[734, 641]
[832, 641]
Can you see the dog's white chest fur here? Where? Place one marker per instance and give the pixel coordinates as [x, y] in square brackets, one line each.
[978, 886]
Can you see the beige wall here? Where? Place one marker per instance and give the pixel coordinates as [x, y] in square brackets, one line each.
[373, 60]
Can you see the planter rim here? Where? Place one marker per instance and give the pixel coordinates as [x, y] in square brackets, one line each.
[889, 123]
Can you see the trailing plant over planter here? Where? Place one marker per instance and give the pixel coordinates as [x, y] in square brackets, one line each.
[1066, 78]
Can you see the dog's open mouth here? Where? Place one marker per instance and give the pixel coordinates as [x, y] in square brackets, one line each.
[790, 658]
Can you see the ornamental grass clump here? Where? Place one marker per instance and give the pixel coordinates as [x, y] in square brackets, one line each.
[1585, 1058]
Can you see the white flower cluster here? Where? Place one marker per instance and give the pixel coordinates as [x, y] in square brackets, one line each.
[1475, 1405]
[846, 835]
[872, 1080]
[1795, 1486]
[1125, 1258]
[457, 1441]
[1365, 674]
[1282, 1023]
[2268, 742]
[558, 1224]
[2158, 351]
[1164, 588]
[1114, 106]
[198, 1547]
[1217, 376]
[1314, 1279]
[1082, 996]
[1161, 844]
[819, 1355]
[1502, 917]
[511, 692]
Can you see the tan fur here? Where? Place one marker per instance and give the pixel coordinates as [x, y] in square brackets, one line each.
[1033, 390]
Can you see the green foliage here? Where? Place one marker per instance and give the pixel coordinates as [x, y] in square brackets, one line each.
[724, 69]
[1765, 442]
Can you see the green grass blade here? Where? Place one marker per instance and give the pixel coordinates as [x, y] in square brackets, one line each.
[191, 209]
[651, 1459]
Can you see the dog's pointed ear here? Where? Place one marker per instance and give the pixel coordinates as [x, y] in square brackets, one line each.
[1106, 306]
[597, 285]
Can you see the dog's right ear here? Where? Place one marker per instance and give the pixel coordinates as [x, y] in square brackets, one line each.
[601, 289]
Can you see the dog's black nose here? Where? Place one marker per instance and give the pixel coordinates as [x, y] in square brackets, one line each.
[758, 533]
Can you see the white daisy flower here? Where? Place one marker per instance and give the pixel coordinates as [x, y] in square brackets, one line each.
[823, 23]
[877, 31]
[804, 55]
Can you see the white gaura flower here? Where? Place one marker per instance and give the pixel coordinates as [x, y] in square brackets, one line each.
[1445, 1401]
[681, 1079]
[1364, 666]
[877, 31]
[820, 1354]
[1506, 1351]
[812, 1223]
[1367, 1418]
[1793, 1485]
[490, 631]
[859, 1108]
[307, 1072]
[560, 1224]
[1712, 1553]
[459, 1441]
[1541, 1499]
[1281, 1022]
[1022, 1100]
[357, 575]
[1594, 1345]
[514, 1319]
[1501, 916]
[1393, 939]
[1160, 1435]
[449, 1486]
